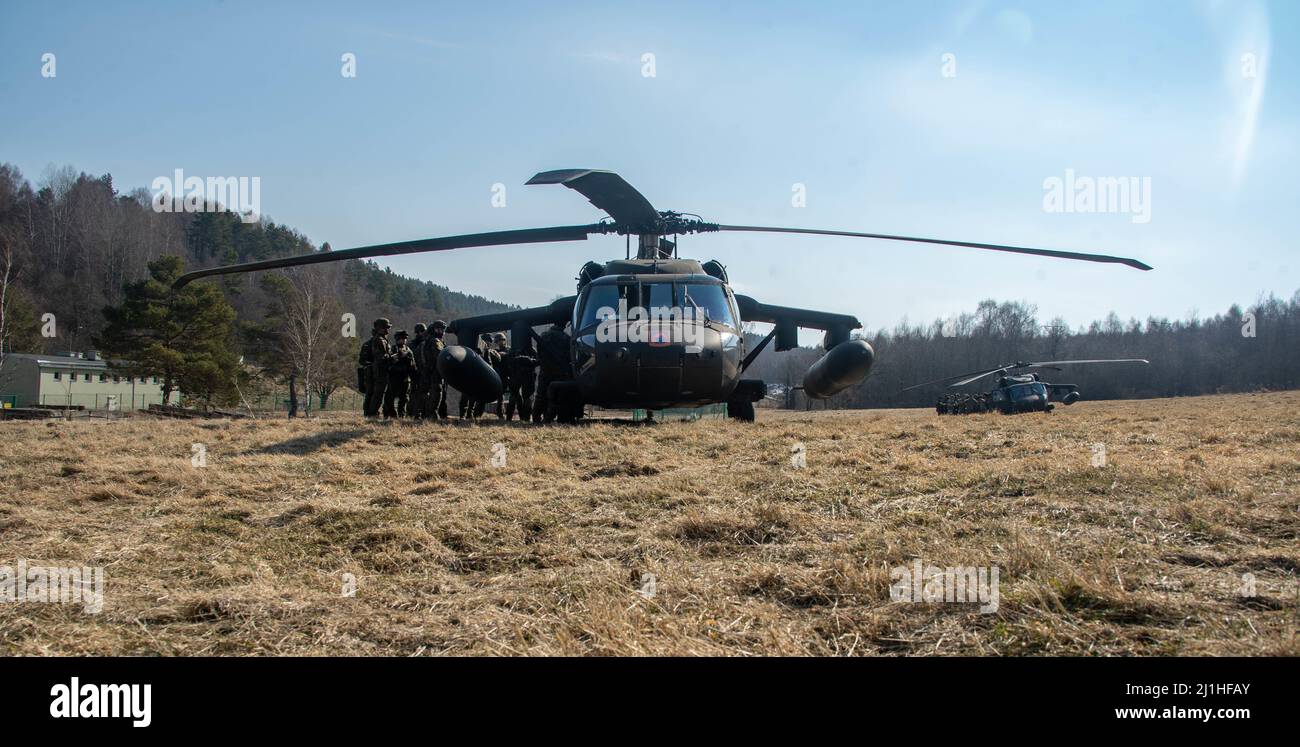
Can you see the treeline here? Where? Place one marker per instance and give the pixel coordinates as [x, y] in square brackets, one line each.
[74, 243]
[1241, 350]
[72, 246]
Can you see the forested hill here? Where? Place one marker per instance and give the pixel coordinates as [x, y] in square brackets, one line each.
[1240, 350]
[77, 241]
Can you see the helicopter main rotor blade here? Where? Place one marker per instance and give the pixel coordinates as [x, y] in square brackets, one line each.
[1100, 360]
[443, 243]
[970, 244]
[975, 374]
[963, 382]
[967, 378]
[607, 191]
[1048, 364]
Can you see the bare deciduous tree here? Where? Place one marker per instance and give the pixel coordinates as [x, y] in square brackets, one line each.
[8, 276]
[310, 340]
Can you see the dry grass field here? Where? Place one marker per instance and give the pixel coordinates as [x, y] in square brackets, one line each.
[1152, 554]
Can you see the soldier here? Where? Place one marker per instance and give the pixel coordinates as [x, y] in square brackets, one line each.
[419, 382]
[435, 406]
[373, 367]
[400, 371]
[501, 349]
[522, 367]
[553, 365]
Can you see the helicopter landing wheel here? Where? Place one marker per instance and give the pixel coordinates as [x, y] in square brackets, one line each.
[741, 409]
[569, 413]
[569, 407]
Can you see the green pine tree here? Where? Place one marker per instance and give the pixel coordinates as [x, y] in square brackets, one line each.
[181, 336]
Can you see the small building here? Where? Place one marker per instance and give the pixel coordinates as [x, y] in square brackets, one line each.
[82, 380]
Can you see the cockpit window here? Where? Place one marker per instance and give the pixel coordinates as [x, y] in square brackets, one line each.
[657, 295]
[706, 301]
[712, 299]
[604, 296]
[1025, 391]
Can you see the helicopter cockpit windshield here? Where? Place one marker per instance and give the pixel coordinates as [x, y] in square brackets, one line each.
[702, 301]
[711, 300]
[1023, 392]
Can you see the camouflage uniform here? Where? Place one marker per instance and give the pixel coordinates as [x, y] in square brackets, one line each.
[553, 365]
[435, 406]
[522, 367]
[501, 350]
[400, 371]
[373, 367]
[420, 381]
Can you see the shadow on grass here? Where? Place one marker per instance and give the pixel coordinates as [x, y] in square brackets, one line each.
[315, 442]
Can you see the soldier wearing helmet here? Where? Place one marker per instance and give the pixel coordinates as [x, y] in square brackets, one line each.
[372, 367]
[501, 349]
[420, 381]
[522, 367]
[554, 365]
[400, 371]
[435, 406]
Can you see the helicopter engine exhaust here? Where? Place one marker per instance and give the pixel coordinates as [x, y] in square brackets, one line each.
[843, 366]
[467, 372]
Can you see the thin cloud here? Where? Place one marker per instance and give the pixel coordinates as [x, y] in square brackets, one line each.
[1248, 78]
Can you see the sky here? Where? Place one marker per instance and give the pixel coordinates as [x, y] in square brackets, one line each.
[943, 119]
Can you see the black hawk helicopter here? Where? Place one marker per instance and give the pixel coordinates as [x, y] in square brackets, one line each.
[625, 367]
[1014, 392]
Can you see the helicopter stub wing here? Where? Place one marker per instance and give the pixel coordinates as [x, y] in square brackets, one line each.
[846, 362]
[607, 191]
[788, 320]
[464, 370]
[517, 323]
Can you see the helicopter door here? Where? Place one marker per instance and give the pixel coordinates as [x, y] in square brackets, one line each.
[614, 359]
